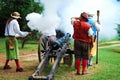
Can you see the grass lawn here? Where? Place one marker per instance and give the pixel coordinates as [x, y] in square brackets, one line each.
[27, 47]
[108, 64]
[108, 67]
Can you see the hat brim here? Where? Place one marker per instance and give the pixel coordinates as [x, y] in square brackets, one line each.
[16, 17]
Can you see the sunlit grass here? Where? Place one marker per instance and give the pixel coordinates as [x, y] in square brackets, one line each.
[27, 46]
[108, 67]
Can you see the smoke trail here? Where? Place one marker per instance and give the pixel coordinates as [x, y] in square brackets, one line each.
[57, 15]
[46, 22]
[108, 14]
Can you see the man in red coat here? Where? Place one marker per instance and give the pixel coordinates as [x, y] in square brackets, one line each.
[83, 40]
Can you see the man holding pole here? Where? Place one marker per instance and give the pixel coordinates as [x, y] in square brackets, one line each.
[95, 28]
[98, 21]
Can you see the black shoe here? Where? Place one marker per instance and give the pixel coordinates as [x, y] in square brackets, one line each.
[6, 67]
[78, 73]
[83, 73]
[19, 70]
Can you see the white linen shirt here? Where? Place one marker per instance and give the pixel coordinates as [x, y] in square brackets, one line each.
[13, 29]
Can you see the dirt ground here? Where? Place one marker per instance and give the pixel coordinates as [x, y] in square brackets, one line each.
[28, 61]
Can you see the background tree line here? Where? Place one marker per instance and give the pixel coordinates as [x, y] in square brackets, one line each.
[24, 7]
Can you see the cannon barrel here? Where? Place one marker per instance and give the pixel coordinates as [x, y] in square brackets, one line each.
[59, 42]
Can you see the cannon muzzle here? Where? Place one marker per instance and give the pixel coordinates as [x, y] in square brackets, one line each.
[59, 42]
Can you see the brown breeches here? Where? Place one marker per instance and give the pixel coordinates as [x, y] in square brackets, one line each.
[81, 50]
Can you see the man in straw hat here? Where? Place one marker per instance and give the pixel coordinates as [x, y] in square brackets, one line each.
[12, 30]
[83, 37]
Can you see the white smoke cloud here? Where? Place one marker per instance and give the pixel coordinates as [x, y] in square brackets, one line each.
[34, 19]
[57, 14]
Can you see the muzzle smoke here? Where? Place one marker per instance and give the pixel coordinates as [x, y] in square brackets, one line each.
[57, 15]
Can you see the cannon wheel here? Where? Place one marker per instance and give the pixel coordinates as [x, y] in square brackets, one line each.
[42, 46]
[68, 58]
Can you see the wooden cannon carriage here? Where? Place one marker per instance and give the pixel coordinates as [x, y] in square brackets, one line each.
[47, 52]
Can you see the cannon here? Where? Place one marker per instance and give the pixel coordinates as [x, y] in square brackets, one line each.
[57, 50]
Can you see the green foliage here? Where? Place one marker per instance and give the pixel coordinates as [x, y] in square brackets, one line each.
[118, 30]
[24, 7]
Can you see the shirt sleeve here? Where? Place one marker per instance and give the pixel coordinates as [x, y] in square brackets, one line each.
[72, 21]
[98, 26]
[90, 32]
[17, 30]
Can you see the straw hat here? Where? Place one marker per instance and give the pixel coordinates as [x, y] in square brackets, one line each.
[15, 15]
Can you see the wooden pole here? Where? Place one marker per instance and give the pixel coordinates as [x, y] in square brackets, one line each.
[98, 14]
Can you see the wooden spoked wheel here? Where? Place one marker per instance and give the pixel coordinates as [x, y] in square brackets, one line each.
[42, 46]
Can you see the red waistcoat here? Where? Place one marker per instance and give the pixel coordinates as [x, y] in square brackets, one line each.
[81, 31]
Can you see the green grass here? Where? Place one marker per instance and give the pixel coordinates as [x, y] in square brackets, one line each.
[2, 45]
[109, 64]
[27, 46]
[105, 44]
[108, 67]
[107, 40]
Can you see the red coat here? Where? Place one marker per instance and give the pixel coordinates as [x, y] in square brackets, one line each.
[81, 31]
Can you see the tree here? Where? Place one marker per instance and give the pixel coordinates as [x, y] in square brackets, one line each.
[24, 7]
[118, 30]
